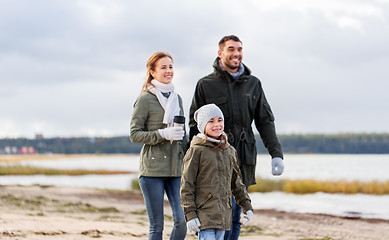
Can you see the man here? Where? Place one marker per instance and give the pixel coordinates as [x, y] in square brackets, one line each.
[241, 98]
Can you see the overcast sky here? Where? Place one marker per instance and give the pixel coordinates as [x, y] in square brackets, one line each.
[75, 68]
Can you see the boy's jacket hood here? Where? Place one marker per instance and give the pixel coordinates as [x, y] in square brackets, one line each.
[198, 141]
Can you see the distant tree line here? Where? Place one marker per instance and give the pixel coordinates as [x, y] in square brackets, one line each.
[312, 143]
[332, 143]
[75, 145]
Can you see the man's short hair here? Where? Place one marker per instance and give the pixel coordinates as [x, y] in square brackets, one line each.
[227, 38]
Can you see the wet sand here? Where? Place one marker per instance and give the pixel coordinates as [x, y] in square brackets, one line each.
[36, 212]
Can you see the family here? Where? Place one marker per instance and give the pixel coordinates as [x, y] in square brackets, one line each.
[205, 177]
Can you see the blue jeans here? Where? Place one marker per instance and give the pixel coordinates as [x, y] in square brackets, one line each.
[234, 232]
[153, 189]
[211, 234]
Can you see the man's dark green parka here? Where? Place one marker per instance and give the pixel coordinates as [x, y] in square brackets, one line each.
[242, 101]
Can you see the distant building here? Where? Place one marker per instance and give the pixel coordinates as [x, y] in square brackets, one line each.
[38, 136]
[10, 150]
[7, 149]
[27, 150]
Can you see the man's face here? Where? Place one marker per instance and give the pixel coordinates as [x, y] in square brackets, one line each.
[231, 55]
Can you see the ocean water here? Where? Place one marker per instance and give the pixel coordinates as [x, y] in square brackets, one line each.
[362, 167]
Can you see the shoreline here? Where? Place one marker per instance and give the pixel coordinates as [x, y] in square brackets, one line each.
[54, 156]
[35, 212]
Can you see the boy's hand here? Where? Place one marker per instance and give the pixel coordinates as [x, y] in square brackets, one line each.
[193, 225]
[248, 215]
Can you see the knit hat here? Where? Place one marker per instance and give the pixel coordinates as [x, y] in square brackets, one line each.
[206, 113]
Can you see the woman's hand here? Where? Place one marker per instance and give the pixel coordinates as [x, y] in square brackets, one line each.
[172, 133]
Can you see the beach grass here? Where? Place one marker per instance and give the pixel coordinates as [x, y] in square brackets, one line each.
[305, 186]
[313, 186]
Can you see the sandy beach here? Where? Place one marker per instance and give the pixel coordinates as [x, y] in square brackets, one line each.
[35, 212]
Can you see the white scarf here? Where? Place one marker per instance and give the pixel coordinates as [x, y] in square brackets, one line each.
[202, 135]
[170, 104]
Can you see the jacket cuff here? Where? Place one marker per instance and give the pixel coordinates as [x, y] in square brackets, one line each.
[190, 215]
[247, 206]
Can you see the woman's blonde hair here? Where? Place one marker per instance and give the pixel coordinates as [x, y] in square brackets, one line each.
[151, 62]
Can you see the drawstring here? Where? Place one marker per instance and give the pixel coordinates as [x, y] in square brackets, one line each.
[242, 136]
[230, 137]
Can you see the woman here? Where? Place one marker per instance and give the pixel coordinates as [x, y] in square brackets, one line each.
[163, 149]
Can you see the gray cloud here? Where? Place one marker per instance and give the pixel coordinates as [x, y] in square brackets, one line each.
[75, 67]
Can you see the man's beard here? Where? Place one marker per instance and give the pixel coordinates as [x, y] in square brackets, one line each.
[232, 67]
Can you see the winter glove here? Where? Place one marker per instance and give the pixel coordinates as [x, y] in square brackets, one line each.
[248, 215]
[193, 225]
[277, 165]
[172, 133]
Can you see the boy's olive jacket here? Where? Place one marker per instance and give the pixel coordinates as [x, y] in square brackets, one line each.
[209, 179]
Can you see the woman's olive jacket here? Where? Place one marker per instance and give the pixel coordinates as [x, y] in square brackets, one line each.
[242, 101]
[159, 157]
[209, 178]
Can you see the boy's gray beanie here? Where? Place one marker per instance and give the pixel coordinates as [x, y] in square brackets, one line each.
[206, 113]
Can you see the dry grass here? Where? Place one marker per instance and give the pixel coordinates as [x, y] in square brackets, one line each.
[312, 186]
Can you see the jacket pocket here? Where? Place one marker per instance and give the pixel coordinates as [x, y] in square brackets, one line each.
[268, 111]
[202, 203]
[248, 150]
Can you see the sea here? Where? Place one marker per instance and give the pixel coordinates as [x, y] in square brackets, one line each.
[348, 167]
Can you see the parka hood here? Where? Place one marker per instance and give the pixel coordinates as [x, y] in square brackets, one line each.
[198, 141]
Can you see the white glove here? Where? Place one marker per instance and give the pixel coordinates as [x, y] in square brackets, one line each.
[277, 166]
[172, 133]
[248, 215]
[193, 225]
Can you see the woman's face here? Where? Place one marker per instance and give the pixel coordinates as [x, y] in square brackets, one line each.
[215, 127]
[163, 70]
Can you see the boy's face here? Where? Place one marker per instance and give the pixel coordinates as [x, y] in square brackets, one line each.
[215, 127]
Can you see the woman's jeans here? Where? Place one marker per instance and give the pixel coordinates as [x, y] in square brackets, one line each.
[153, 189]
[211, 234]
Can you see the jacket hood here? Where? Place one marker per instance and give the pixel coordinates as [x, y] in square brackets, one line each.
[198, 141]
[221, 72]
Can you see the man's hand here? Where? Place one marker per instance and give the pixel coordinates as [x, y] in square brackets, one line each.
[277, 166]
